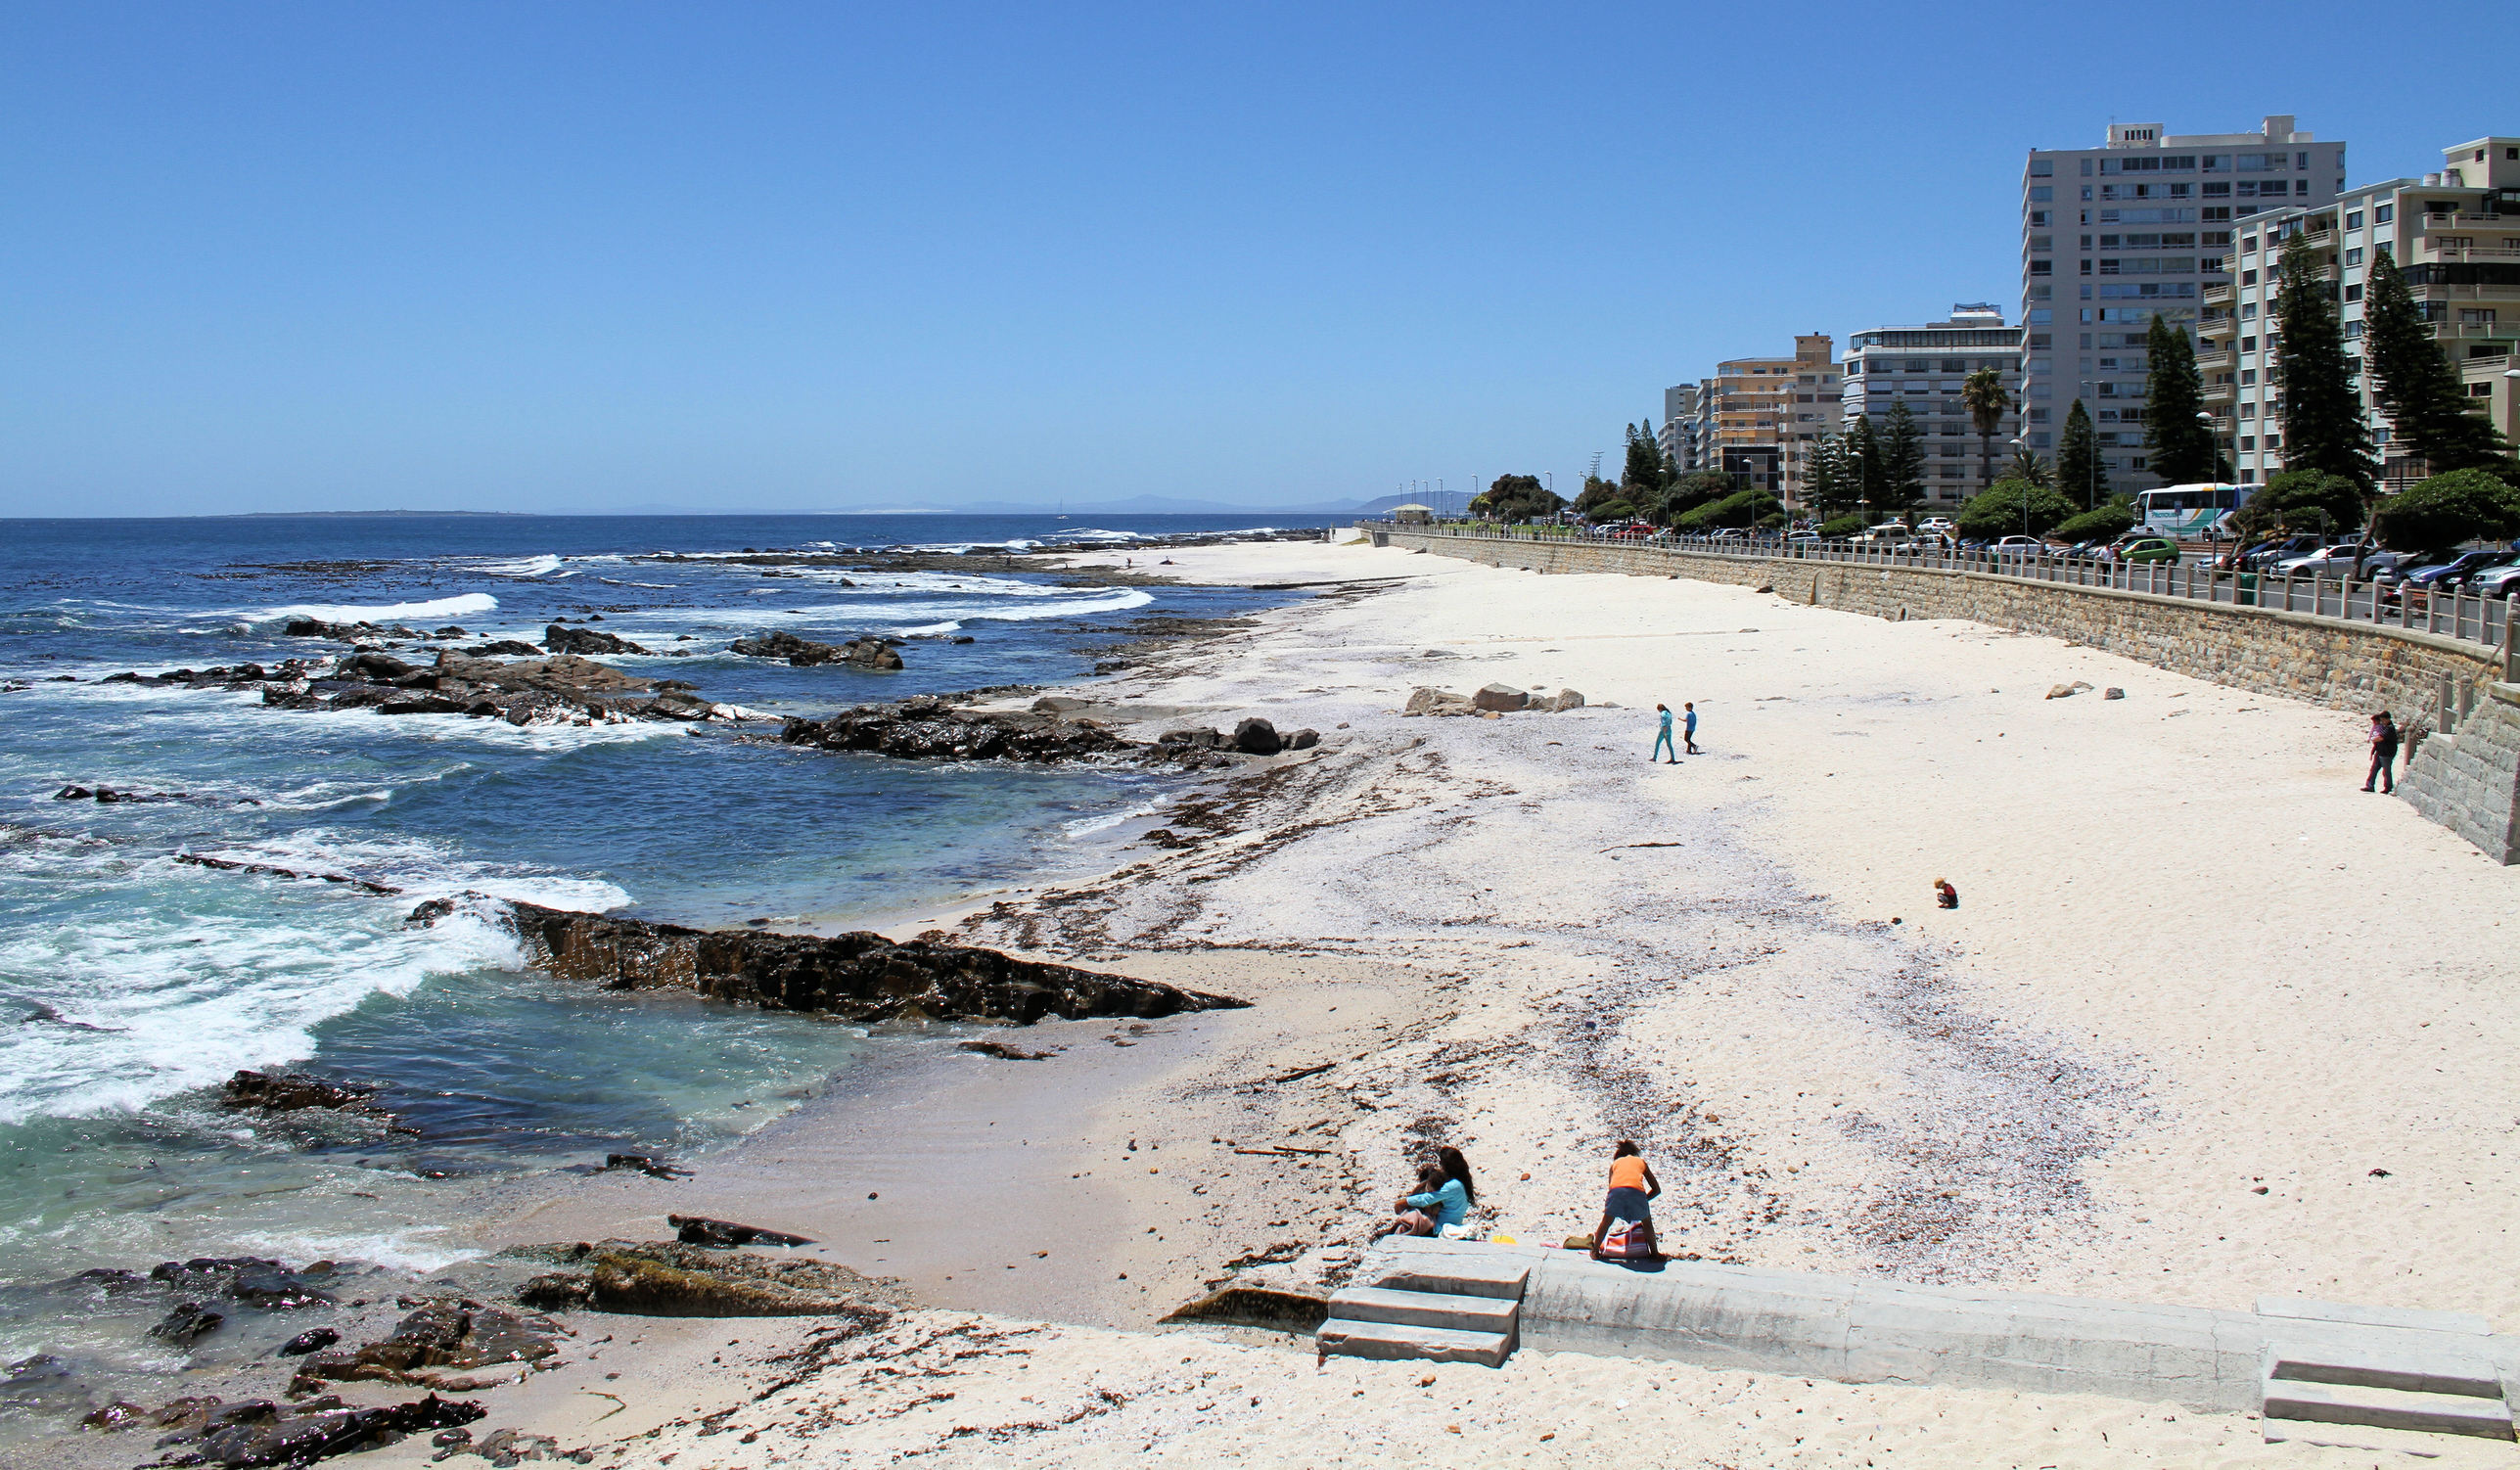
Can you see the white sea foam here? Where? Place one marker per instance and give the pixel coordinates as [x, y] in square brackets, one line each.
[531, 565]
[462, 606]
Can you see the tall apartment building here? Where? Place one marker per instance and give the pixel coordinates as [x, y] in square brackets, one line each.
[1769, 411]
[1924, 366]
[2112, 236]
[2455, 237]
[1679, 435]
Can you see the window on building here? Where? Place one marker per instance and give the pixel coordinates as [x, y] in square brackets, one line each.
[2248, 310]
[2248, 441]
[2041, 194]
[1956, 365]
[2248, 344]
[2354, 257]
[2041, 268]
[2480, 390]
[2354, 219]
[2042, 242]
[2353, 291]
[2248, 278]
[2041, 169]
[2038, 216]
[2383, 213]
[2476, 316]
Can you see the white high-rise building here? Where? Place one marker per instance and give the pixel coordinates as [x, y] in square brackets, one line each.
[2112, 236]
[1924, 366]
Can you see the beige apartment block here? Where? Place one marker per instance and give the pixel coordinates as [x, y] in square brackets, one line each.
[2141, 227]
[2455, 237]
[1768, 412]
[1925, 366]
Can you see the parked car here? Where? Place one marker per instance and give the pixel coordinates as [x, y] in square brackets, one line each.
[1633, 533]
[2495, 581]
[2020, 546]
[2147, 549]
[1935, 526]
[2454, 570]
[2333, 560]
[2265, 554]
[1801, 537]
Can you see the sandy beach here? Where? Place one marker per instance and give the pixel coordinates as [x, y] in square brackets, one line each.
[2207, 1023]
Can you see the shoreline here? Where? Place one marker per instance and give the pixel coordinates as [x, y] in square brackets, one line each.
[2046, 1089]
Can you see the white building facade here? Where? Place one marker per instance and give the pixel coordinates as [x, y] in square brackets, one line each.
[2115, 236]
[1924, 366]
[2455, 237]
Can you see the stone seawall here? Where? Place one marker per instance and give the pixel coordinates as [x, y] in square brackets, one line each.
[2263, 650]
[2470, 781]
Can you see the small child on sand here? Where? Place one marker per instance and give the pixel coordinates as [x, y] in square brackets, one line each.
[1946, 896]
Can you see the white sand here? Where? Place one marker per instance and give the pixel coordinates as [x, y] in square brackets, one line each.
[2192, 960]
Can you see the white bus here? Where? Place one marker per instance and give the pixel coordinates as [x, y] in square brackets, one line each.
[2190, 510]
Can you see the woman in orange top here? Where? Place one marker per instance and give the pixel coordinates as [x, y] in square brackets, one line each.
[1632, 1185]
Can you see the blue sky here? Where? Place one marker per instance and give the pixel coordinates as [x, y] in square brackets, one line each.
[564, 257]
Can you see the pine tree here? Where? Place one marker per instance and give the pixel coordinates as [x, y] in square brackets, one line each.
[1834, 480]
[1864, 471]
[2324, 427]
[2081, 471]
[2415, 383]
[1648, 469]
[1903, 462]
[2181, 447]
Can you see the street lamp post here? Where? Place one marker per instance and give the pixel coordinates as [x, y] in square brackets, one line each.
[2022, 441]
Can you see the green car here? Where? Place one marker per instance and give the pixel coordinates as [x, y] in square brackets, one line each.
[2149, 549]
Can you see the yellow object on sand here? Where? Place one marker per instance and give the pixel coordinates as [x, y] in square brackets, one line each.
[1502, 1240]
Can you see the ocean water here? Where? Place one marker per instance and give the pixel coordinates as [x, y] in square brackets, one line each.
[132, 984]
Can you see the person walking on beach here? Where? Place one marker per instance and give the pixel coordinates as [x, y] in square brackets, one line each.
[2384, 750]
[1663, 740]
[1689, 728]
[1632, 1188]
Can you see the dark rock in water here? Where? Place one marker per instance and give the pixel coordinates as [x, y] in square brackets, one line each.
[112, 1282]
[1255, 737]
[264, 869]
[292, 1092]
[1007, 1052]
[870, 653]
[73, 793]
[428, 912]
[249, 1279]
[653, 1168]
[927, 727]
[586, 641]
[42, 1380]
[658, 1279]
[375, 665]
[701, 1231]
[187, 1324]
[312, 1340]
[860, 975]
[262, 1432]
[444, 1335]
[451, 632]
[965, 639]
[122, 1413]
[45, 1015]
[505, 648]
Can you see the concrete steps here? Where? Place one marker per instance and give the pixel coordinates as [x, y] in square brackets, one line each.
[2378, 1378]
[1431, 1301]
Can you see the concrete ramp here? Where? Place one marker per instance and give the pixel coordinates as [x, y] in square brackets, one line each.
[2316, 1370]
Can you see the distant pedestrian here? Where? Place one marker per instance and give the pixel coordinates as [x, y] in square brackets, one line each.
[1663, 740]
[1689, 728]
[2384, 750]
[1946, 896]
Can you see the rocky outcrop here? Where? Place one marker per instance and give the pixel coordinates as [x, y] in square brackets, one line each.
[267, 870]
[347, 632]
[225, 676]
[108, 796]
[443, 1339]
[562, 639]
[859, 975]
[934, 730]
[804, 652]
[202, 1431]
[1503, 697]
[701, 1231]
[505, 648]
[560, 689]
[1493, 699]
[655, 1279]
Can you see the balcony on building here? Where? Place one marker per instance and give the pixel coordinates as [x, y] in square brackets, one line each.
[2215, 293]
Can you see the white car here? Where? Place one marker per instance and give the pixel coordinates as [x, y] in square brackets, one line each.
[2018, 546]
[2336, 561]
[1936, 526]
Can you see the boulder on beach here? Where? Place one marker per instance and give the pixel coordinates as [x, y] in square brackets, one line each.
[1255, 736]
[443, 1338]
[1426, 700]
[1303, 740]
[1564, 699]
[1500, 698]
[650, 1278]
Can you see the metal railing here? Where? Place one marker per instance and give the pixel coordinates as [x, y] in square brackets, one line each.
[2465, 616]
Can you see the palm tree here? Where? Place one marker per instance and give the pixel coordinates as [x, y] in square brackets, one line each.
[1987, 402]
[2027, 465]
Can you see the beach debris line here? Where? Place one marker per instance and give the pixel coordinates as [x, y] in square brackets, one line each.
[859, 975]
[1007, 1050]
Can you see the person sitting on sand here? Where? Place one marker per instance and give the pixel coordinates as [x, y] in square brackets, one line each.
[1422, 1213]
[1946, 896]
[1633, 1186]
